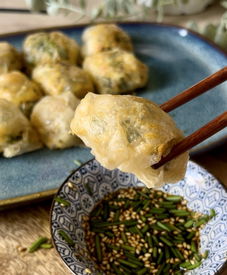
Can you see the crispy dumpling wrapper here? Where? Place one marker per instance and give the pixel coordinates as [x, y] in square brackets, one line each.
[130, 133]
[17, 88]
[116, 71]
[51, 117]
[44, 47]
[10, 58]
[105, 37]
[17, 136]
[62, 77]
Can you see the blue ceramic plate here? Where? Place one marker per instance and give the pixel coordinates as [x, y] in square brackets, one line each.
[177, 59]
[202, 191]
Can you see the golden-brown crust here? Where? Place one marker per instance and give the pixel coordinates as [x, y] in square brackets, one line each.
[61, 77]
[17, 136]
[51, 117]
[21, 91]
[10, 58]
[116, 71]
[105, 37]
[50, 47]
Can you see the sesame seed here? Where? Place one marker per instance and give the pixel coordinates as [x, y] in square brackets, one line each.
[87, 270]
[71, 185]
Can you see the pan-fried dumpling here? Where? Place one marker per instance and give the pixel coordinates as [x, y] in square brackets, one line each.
[51, 116]
[17, 136]
[116, 71]
[130, 133]
[21, 91]
[10, 58]
[61, 77]
[43, 47]
[105, 37]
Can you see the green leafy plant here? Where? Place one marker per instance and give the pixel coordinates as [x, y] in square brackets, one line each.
[125, 9]
[107, 9]
[216, 33]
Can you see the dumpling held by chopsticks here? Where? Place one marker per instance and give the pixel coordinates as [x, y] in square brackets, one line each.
[130, 133]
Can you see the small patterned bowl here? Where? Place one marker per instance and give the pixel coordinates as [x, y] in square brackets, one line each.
[202, 191]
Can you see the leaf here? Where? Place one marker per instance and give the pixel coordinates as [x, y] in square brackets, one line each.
[35, 5]
[165, 2]
[97, 12]
[192, 25]
[221, 37]
[185, 1]
[224, 4]
[210, 31]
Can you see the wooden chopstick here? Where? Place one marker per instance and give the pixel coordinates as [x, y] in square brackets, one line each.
[196, 90]
[204, 132]
[195, 138]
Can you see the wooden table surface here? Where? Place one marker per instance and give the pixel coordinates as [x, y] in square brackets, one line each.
[21, 226]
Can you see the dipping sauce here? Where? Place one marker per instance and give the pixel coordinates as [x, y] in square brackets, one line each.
[144, 231]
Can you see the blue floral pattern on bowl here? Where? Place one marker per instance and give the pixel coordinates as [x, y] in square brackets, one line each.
[91, 182]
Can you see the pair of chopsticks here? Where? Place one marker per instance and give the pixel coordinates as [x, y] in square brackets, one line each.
[211, 128]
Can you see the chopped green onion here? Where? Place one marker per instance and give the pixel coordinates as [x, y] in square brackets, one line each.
[150, 242]
[142, 271]
[193, 266]
[167, 253]
[98, 248]
[160, 257]
[106, 211]
[160, 269]
[155, 252]
[185, 264]
[166, 241]
[36, 245]
[164, 226]
[145, 228]
[155, 239]
[117, 271]
[88, 188]
[114, 247]
[189, 223]
[166, 268]
[66, 237]
[212, 213]
[62, 201]
[123, 236]
[180, 213]
[77, 162]
[117, 214]
[193, 247]
[174, 198]
[127, 247]
[46, 245]
[205, 255]
[155, 210]
[197, 257]
[124, 262]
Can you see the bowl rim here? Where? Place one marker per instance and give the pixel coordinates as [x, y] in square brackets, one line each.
[52, 207]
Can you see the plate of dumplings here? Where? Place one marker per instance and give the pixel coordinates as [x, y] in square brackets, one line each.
[45, 74]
